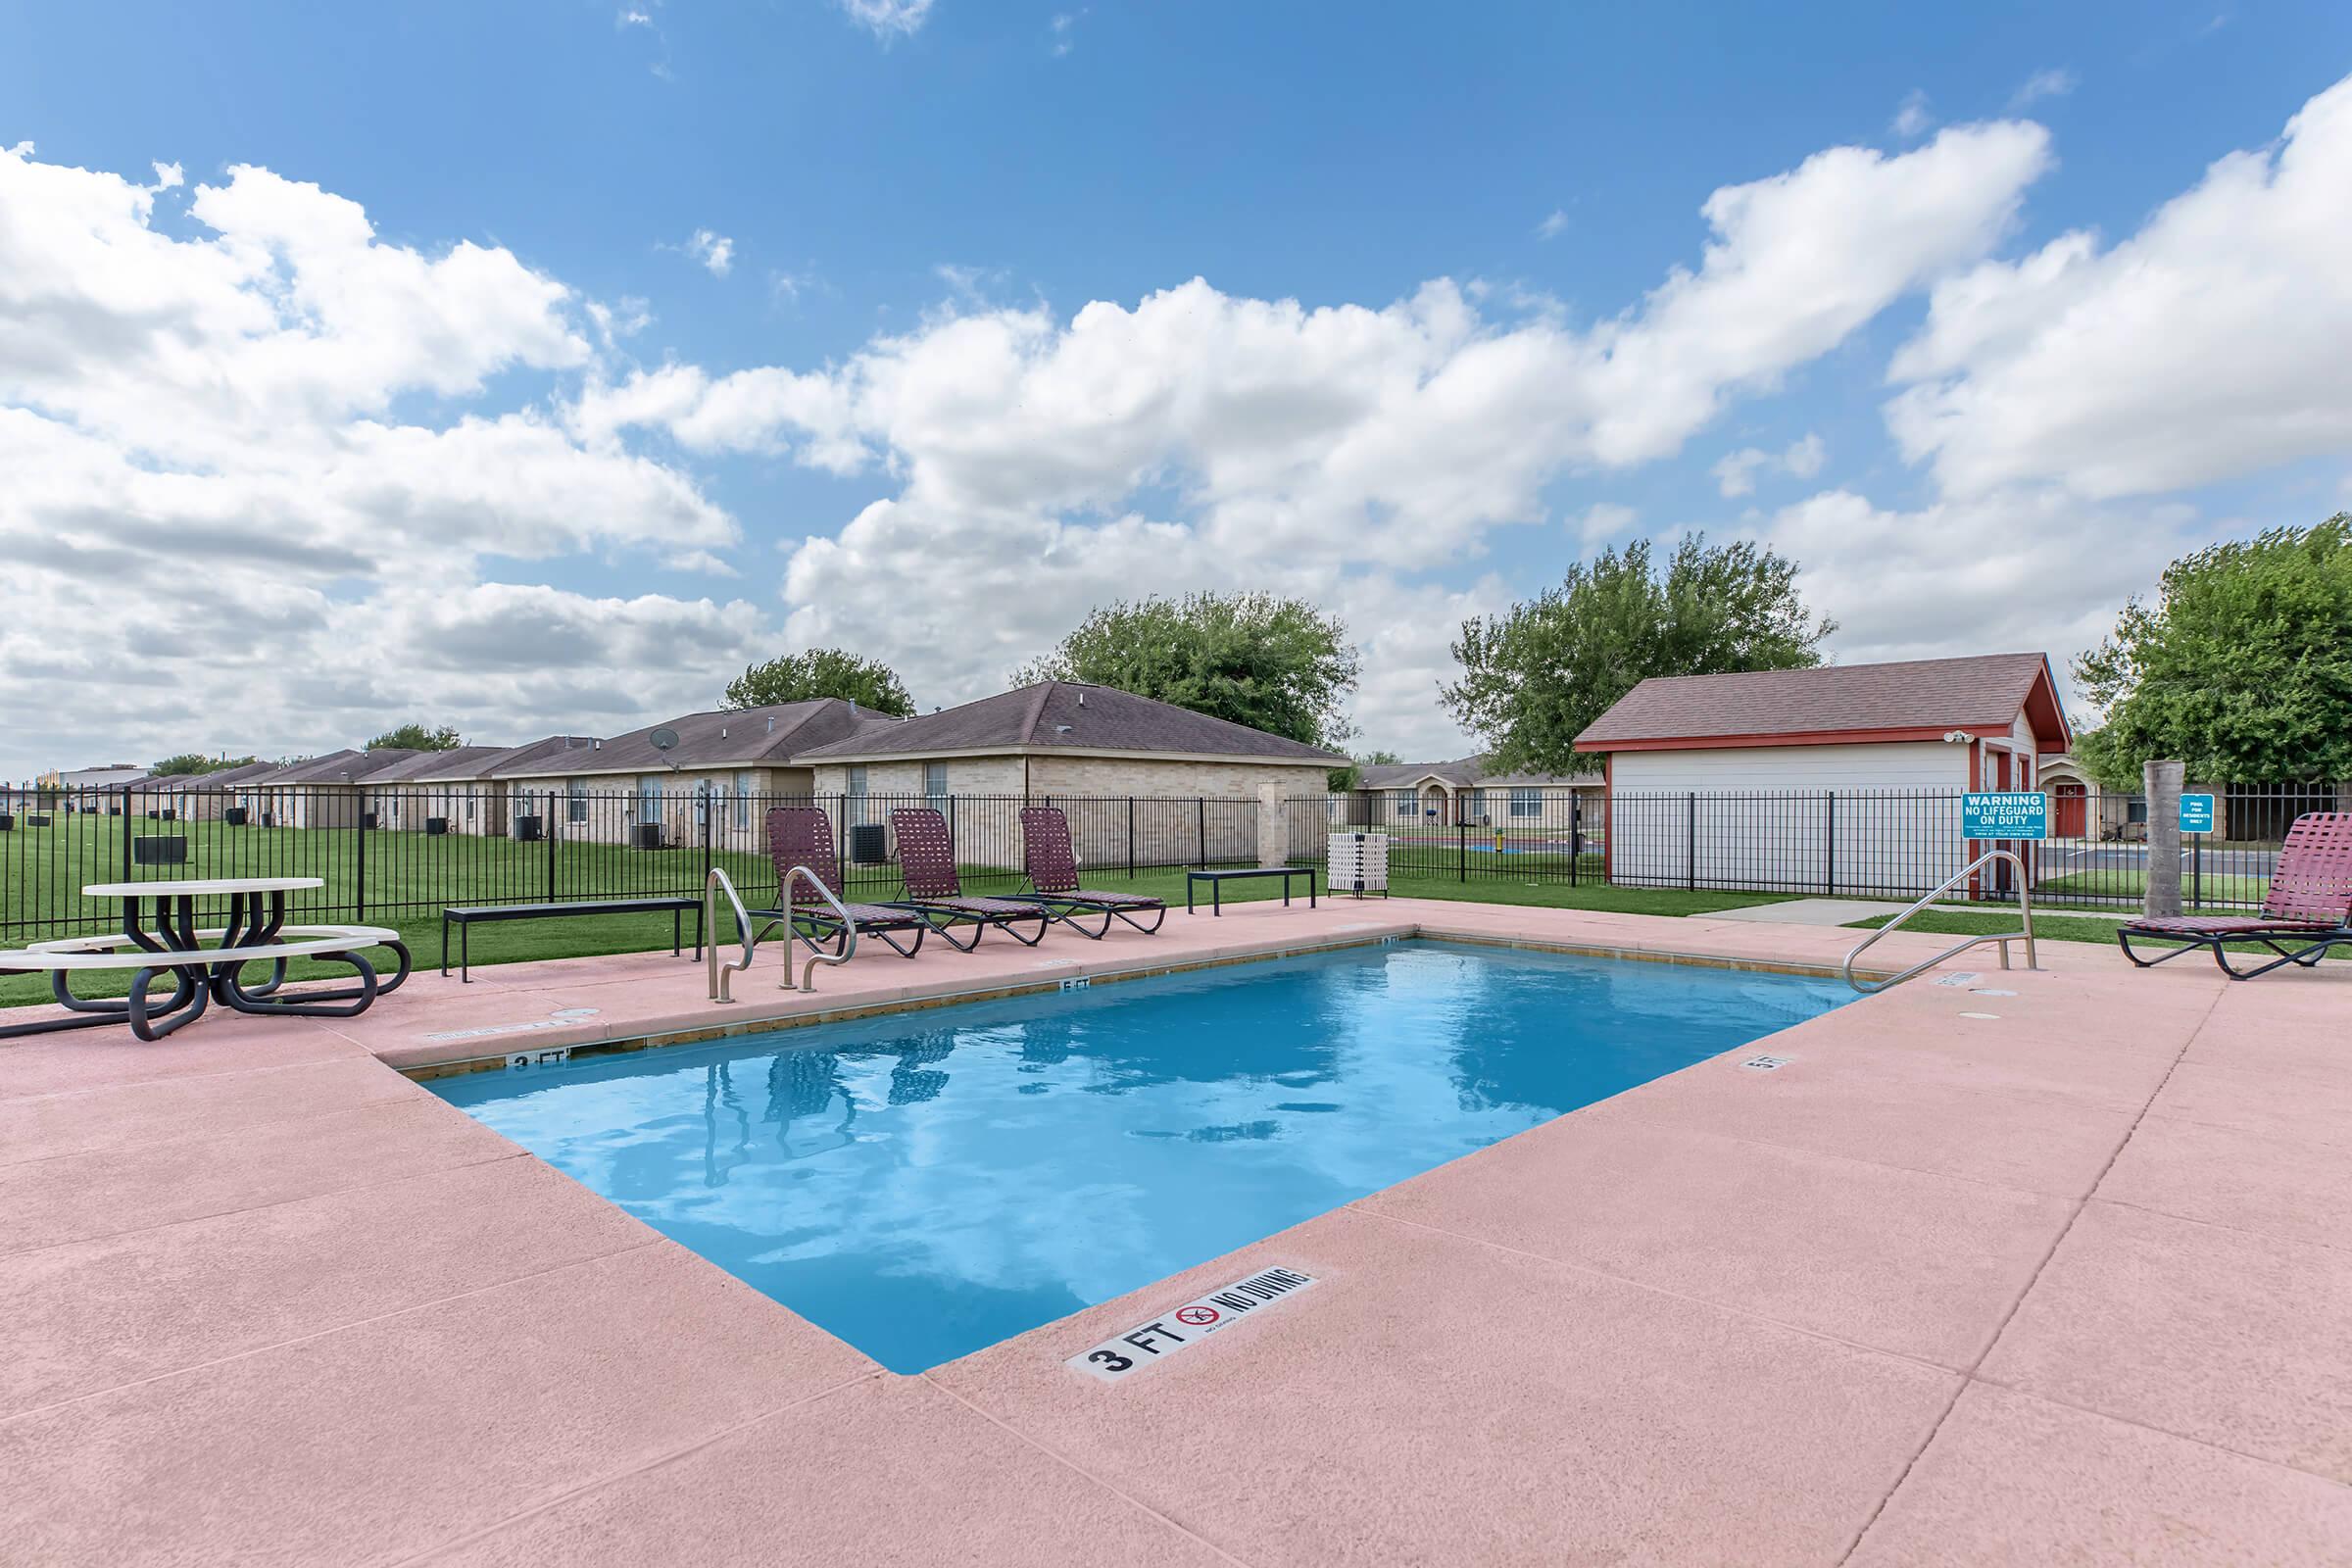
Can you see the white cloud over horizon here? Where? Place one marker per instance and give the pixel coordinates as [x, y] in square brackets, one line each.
[266, 451]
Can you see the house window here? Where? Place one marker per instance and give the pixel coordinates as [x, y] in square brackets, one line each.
[1407, 804]
[744, 783]
[1527, 802]
[468, 805]
[575, 799]
[856, 791]
[649, 797]
[935, 780]
[1474, 805]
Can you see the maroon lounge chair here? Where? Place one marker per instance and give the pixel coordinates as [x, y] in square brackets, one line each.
[2310, 903]
[1053, 867]
[803, 835]
[934, 891]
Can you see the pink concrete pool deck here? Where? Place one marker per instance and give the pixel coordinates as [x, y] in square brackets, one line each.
[2063, 1275]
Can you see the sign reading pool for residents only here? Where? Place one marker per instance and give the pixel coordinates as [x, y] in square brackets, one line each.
[2196, 813]
[2005, 815]
[1150, 1344]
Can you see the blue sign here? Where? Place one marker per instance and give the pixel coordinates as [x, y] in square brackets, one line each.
[2005, 815]
[2196, 813]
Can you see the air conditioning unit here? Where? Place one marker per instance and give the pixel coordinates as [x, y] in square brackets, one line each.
[1358, 863]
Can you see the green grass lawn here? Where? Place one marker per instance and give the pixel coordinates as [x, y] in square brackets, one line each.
[517, 941]
[2098, 928]
[2123, 886]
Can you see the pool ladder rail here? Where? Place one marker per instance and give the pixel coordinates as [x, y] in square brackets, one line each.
[723, 975]
[2025, 933]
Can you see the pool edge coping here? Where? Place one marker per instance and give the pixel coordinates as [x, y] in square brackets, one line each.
[630, 1043]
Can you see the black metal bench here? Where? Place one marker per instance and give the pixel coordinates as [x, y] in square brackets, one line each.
[464, 917]
[1217, 879]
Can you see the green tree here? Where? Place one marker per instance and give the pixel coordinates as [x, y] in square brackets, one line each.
[1277, 665]
[189, 764]
[1534, 676]
[1343, 779]
[414, 737]
[2241, 670]
[820, 672]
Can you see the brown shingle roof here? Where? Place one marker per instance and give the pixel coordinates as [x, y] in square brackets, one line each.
[1064, 715]
[452, 762]
[736, 737]
[1984, 691]
[542, 757]
[330, 768]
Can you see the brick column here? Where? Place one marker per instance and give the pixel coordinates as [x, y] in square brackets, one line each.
[1273, 825]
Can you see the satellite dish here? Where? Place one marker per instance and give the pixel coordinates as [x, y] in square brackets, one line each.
[663, 739]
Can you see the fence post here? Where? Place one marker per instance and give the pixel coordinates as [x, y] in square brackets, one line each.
[126, 835]
[1461, 848]
[1691, 847]
[1829, 837]
[1201, 806]
[2162, 780]
[708, 804]
[1130, 838]
[1576, 835]
[360, 879]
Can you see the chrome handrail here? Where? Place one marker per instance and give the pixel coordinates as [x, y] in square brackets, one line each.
[723, 976]
[2025, 909]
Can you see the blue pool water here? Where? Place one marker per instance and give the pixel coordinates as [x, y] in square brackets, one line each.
[926, 1183]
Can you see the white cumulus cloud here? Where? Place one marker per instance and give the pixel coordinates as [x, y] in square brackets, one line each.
[713, 250]
[2209, 344]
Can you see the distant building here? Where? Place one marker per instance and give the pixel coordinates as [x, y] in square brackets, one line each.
[1469, 792]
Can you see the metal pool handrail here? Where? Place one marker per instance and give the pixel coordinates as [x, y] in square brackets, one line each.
[723, 976]
[2025, 909]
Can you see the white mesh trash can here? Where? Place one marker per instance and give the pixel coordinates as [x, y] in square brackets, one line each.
[1358, 863]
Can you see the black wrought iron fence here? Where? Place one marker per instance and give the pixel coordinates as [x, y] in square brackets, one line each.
[1861, 843]
[410, 850]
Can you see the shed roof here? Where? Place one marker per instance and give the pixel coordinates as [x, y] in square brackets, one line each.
[1919, 699]
[1067, 716]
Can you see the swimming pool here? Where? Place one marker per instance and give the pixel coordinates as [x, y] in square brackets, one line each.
[926, 1183]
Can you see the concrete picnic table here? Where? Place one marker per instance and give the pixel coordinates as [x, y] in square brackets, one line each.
[205, 964]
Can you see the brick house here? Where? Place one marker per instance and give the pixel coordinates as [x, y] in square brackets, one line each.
[1067, 743]
[616, 790]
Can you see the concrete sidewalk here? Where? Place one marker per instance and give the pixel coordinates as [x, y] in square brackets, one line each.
[2050, 1267]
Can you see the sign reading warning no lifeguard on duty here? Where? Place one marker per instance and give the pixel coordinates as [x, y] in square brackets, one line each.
[1153, 1343]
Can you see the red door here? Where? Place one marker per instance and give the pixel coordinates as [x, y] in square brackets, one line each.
[2069, 802]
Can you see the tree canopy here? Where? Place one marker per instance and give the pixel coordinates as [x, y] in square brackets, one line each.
[188, 763]
[1343, 779]
[820, 672]
[1277, 665]
[414, 737]
[2241, 670]
[1536, 675]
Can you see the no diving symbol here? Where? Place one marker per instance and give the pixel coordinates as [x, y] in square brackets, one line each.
[1195, 1317]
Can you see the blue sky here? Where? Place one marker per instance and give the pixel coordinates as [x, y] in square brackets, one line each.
[893, 183]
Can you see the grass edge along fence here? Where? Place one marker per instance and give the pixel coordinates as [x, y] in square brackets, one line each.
[408, 851]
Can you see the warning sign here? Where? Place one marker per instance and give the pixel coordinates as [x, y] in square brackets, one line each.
[1150, 1344]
